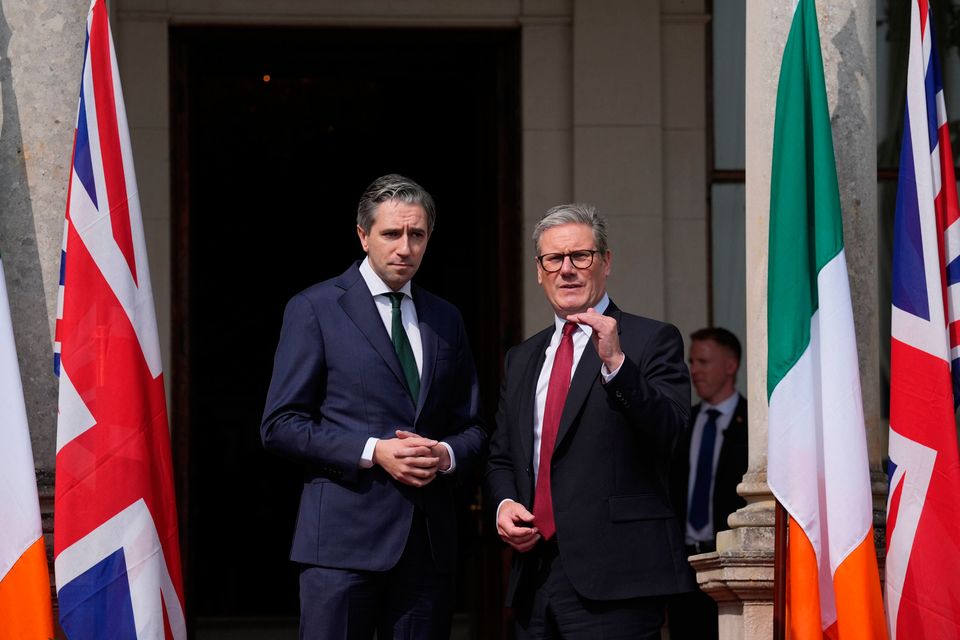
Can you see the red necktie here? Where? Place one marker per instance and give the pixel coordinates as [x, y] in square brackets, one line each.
[552, 410]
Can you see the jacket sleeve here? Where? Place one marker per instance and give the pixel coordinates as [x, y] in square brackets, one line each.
[500, 481]
[292, 423]
[653, 388]
[469, 438]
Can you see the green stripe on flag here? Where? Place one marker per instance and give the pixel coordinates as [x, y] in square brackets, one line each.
[806, 231]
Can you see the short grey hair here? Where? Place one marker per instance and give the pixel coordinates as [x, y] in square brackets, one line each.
[394, 187]
[575, 213]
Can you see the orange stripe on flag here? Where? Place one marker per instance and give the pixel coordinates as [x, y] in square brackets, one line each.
[856, 585]
[803, 587]
[25, 597]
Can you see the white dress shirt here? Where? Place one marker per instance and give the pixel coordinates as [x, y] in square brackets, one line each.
[726, 409]
[411, 324]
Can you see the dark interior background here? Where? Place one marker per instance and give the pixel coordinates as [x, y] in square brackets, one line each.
[276, 134]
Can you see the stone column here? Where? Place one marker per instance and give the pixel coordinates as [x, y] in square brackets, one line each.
[547, 110]
[618, 141]
[683, 96]
[739, 575]
[41, 49]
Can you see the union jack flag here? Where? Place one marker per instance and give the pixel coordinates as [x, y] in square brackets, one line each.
[116, 552]
[923, 507]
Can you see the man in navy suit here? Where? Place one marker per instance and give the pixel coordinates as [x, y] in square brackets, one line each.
[709, 464]
[590, 411]
[374, 392]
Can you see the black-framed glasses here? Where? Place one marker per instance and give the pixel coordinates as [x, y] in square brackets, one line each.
[552, 262]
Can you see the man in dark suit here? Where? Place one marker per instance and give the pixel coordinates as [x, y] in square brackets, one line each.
[374, 392]
[709, 464]
[590, 411]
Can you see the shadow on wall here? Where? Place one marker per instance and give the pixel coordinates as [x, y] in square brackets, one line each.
[21, 258]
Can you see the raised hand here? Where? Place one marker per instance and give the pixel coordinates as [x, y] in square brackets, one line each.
[605, 337]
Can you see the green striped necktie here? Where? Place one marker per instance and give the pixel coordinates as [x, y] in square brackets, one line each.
[402, 346]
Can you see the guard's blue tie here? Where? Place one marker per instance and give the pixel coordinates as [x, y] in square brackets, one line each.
[700, 501]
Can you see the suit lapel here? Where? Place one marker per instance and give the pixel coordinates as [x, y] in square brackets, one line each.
[736, 432]
[528, 396]
[358, 304]
[588, 370]
[429, 338]
[683, 446]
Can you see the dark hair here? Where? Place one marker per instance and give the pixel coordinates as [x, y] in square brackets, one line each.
[722, 337]
[394, 187]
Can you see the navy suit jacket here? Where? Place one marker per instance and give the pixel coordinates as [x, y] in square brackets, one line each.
[731, 466]
[617, 533]
[337, 381]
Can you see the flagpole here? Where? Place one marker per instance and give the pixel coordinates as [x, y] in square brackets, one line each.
[780, 574]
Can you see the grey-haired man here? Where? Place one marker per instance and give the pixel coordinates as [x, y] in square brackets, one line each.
[590, 410]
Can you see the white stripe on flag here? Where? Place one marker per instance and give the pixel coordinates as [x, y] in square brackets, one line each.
[817, 464]
[19, 506]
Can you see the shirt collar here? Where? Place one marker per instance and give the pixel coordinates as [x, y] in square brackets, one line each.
[726, 407]
[377, 286]
[600, 307]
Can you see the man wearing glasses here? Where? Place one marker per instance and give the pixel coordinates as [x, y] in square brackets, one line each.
[590, 411]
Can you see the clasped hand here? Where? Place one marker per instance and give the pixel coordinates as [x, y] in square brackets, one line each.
[410, 458]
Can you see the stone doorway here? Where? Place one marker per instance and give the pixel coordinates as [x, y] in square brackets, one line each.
[275, 133]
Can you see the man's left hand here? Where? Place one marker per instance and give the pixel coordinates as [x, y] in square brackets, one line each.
[606, 339]
[437, 450]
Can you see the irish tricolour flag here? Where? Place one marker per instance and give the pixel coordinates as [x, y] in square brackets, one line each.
[817, 464]
[25, 612]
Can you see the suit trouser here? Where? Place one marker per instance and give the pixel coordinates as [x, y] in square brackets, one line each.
[693, 615]
[411, 601]
[553, 609]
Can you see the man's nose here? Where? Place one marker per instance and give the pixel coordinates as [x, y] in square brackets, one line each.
[566, 267]
[404, 247]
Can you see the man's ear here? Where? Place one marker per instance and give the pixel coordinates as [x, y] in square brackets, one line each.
[731, 367]
[363, 237]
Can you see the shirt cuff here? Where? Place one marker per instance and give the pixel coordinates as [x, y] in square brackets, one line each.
[610, 375]
[366, 458]
[453, 460]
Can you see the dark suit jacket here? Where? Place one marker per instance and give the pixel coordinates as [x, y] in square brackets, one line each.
[617, 534]
[336, 382]
[731, 466]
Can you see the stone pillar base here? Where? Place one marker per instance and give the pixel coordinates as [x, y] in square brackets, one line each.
[739, 574]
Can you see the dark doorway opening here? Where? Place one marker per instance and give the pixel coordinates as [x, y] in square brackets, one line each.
[276, 132]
